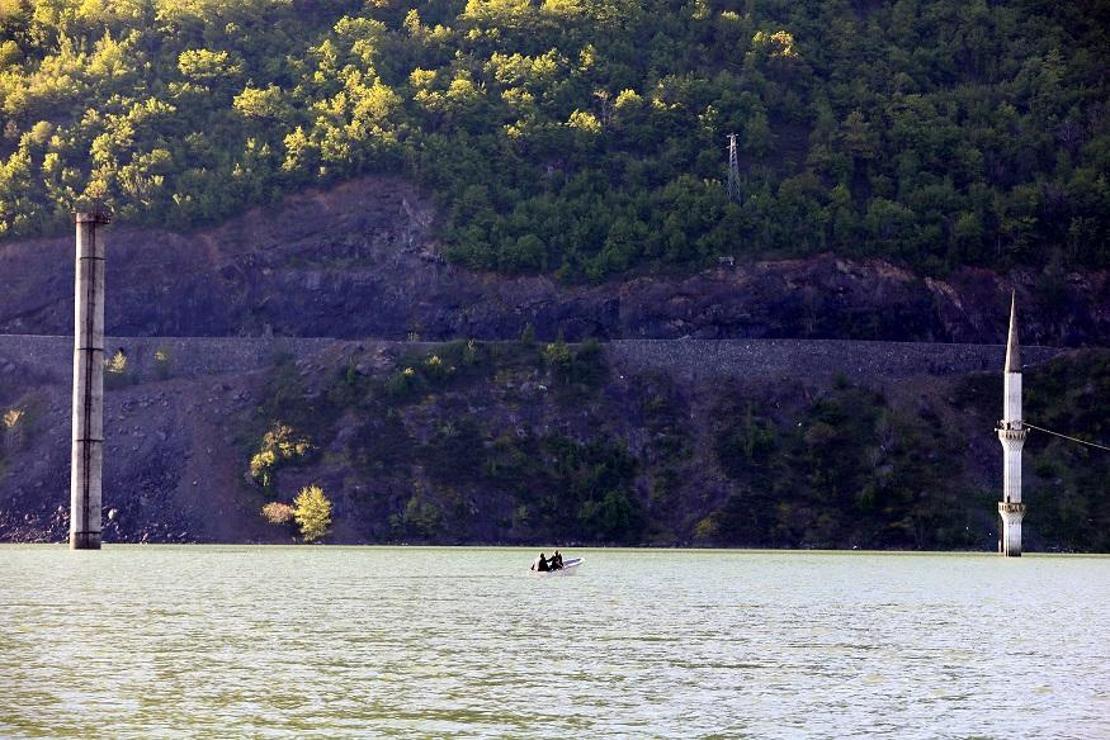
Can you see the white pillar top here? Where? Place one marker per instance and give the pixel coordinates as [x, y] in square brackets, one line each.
[1013, 350]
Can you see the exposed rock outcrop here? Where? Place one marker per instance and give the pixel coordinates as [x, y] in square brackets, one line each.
[361, 260]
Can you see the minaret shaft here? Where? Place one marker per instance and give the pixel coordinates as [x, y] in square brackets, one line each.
[1011, 389]
[1011, 433]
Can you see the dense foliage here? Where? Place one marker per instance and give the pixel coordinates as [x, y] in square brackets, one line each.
[584, 137]
[848, 471]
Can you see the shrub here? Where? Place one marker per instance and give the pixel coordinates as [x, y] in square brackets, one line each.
[528, 335]
[12, 417]
[403, 383]
[13, 428]
[589, 364]
[436, 369]
[261, 465]
[117, 363]
[162, 363]
[280, 444]
[282, 439]
[116, 374]
[558, 356]
[613, 516]
[420, 518]
[707, 529]
[419, 375]
[456, 451]
[747, 443]
[588, 488]
[583, 368]
[312, 512]
[276, 512]
[470, 353]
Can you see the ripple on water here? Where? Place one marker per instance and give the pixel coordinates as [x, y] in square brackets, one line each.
[141, 641]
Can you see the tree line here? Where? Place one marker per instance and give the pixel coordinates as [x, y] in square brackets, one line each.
[583, 138]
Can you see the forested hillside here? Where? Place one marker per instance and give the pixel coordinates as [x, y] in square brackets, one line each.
[582, 137]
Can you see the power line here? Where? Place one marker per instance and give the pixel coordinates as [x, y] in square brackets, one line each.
[1072, 439]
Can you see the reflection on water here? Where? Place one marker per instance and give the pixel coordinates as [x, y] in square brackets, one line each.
[138, 641]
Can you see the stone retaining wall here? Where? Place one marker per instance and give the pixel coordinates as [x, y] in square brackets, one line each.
[50, 357]
[802, 357]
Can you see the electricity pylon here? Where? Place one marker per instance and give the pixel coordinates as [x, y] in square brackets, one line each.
[733, 170]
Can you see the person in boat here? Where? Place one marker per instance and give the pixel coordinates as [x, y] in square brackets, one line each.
[557, 561]
[541, 564]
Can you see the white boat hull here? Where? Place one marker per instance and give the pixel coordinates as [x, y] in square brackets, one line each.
[570, 567]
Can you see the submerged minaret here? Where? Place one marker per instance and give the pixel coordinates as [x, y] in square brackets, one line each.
[1011, 432]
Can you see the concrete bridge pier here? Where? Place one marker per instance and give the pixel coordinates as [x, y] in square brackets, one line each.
[86, 461]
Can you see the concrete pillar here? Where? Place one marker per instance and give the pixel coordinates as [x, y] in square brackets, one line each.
[87, 456]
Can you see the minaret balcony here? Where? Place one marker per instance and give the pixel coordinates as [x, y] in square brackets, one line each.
[1009, 507]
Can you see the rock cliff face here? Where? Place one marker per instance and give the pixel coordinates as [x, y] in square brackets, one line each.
[360, 260]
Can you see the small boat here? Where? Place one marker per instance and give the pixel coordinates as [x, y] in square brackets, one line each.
[570, 567]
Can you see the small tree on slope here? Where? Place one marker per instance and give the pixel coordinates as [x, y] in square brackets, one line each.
[312, 512]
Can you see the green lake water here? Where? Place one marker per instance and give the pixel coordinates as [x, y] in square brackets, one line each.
[214, 641]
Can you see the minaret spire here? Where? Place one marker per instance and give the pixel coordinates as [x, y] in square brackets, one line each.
[1013, 350]
[1011, 433]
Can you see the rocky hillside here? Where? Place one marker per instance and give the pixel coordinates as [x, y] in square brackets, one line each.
[361, 260]
[756, 443]
[751, 404]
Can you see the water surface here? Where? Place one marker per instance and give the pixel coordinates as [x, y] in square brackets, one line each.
[140, 641]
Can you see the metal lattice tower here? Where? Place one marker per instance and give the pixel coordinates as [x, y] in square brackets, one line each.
[733, 170]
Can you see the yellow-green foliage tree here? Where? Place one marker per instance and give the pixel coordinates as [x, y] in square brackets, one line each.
[279, 444]
[312, 512]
